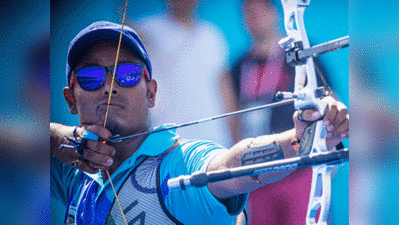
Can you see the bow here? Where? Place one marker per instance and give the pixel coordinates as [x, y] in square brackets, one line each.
[307, 95]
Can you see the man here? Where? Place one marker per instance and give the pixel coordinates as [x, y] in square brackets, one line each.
[141, 166]
[189, 53]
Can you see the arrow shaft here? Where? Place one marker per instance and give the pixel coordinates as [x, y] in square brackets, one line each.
[275, 104]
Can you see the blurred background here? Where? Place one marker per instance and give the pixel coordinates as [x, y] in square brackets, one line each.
[374, 166]
[25, 109]
[24, 112]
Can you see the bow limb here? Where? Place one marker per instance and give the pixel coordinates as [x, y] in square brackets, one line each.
[306, 96]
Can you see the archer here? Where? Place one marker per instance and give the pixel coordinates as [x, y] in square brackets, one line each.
[141, 166]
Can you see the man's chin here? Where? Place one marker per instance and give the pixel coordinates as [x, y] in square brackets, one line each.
[114, 128]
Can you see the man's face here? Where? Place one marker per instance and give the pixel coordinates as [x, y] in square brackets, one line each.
[183, 6]
[129, 107]
[260, 19]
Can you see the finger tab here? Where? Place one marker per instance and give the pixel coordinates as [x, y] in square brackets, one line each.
[99, 131]
[90, 135]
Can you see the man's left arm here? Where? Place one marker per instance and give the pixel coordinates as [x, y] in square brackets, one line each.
[336, 121]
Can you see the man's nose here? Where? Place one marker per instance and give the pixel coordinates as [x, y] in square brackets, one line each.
[108, 83]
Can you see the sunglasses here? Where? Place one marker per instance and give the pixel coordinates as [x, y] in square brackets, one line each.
[93, 77]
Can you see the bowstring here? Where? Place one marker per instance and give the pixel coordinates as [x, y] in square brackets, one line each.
[109, 101]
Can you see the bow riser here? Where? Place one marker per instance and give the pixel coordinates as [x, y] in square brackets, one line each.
[306, 97]
[320, 201]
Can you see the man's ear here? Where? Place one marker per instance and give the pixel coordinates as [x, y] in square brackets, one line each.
[70, 99]
[151, 92]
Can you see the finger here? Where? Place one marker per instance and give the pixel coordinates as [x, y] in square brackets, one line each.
[341, 130]
[299, 125]
[69, 151]
[68, 155]
[100, 148]
[344, 134]
[329, 117]
[102, 132]
[340, 117]
[341, 135]
[97, 158]
[334, 141]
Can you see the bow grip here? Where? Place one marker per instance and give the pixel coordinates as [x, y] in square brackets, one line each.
[307, 140]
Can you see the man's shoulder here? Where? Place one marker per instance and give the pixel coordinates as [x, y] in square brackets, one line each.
[190, 156]
[196, 143]
[188, 150]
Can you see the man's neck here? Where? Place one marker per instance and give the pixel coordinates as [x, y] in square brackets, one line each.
[186, 19]
[262, 47]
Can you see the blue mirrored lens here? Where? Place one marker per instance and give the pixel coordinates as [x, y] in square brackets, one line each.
[128, 75]
[91, 78]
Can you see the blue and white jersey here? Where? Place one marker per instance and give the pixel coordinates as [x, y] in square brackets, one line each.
[141, 183]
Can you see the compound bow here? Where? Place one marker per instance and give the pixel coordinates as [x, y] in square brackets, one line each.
[307, 95]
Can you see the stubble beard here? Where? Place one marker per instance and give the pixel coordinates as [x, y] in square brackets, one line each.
[117, 127]
[114, 127]
[122, 129]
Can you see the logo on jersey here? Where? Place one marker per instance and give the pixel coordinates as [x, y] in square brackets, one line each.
[71, 219]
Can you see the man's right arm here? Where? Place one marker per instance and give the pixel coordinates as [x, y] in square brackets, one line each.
[336, 120]
[58, 132]
[95, 154]
[60, 174]
[57, 136]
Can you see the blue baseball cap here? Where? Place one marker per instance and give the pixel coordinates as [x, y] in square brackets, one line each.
[104, 30]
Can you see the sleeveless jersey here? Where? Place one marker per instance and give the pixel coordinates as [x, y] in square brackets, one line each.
[140, 196]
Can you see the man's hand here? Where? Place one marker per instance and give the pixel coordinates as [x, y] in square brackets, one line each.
[97, 155]
[336, 120]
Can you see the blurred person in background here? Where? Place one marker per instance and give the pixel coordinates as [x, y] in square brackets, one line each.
[254, 81]
[189, 56]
